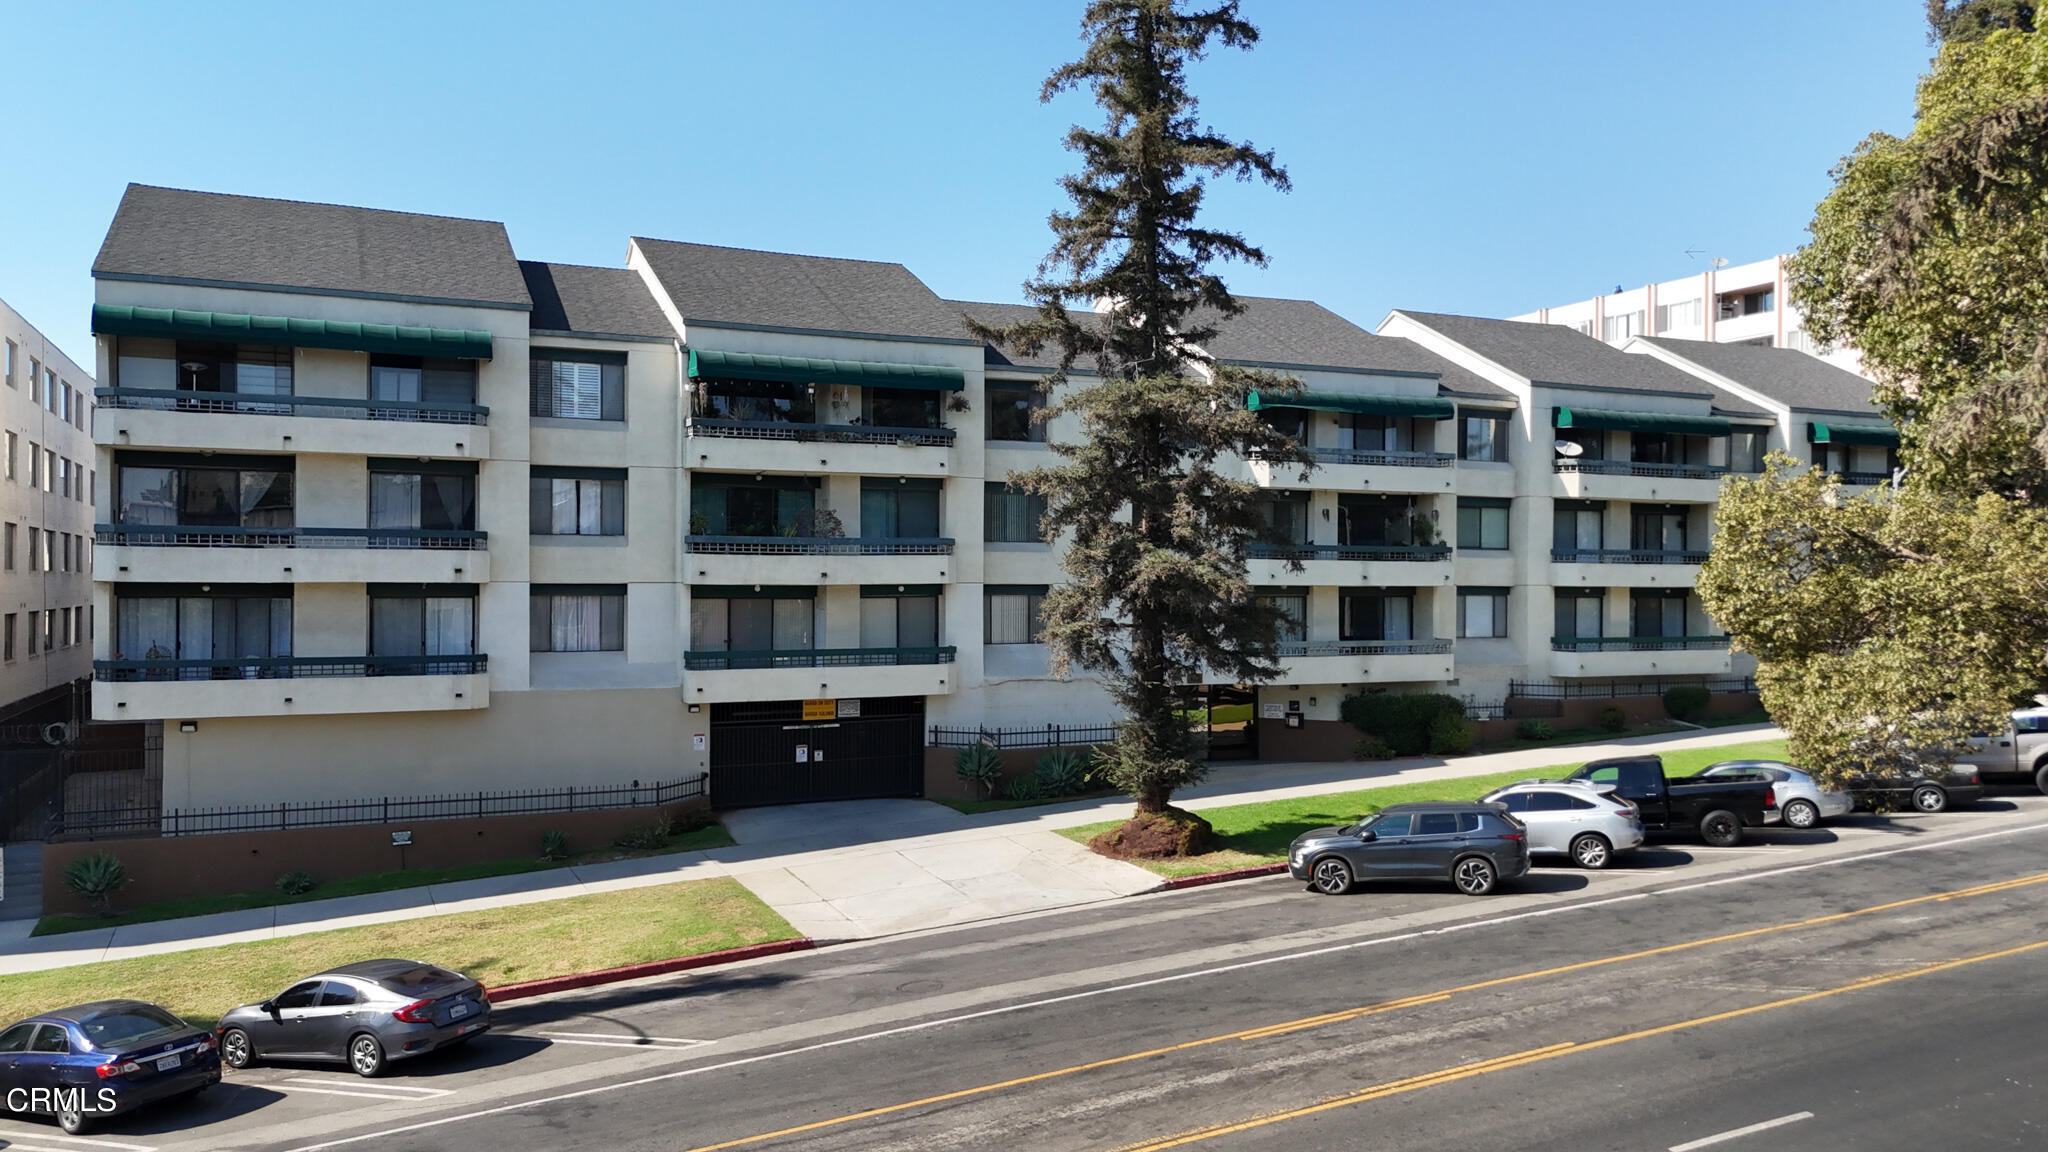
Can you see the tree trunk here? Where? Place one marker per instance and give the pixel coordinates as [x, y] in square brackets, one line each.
[1152, 801]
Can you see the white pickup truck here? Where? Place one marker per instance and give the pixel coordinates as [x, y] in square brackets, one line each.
[2020, 752]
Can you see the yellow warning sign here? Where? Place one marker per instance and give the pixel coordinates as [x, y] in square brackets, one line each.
[821, 709]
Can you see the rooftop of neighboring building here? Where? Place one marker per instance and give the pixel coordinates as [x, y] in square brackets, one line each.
[1787, 375]
[592, 301]
[208, 238]
[1283, 332]
[1045, 359]
[780, 290]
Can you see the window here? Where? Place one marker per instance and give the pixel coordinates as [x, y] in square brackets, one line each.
[335, 994]
[223, 491]
[193, 624]
[1291, 422]
[7, 637]
[64, 410]
[11, 352]
[1682, 314]
[1665, 448]
[1372, 433]
[1577, 526]
[422, 380]
[35, 381]
[35, 544]
[1013, 614]
[1746, 449]
[438, 497]
[1376, 614]
[899, 407]
[1287, 514]
[579, 502]
[1485, 435]
[1656, 612]
[7, 549]
[578, 618]
[49, 389]
[1592, 444]
[49, 469]
[70, 623]
[49, 629]
[1483, 522]
[743, 506]
[755, 401]
[1579, 613]
[774, 619]
[1482, 612]
[35, 464]
[197, 366]
[1584, 327]
[1435, 824]
[574, 385]
[64, 477]
[422, 620]
[899, 510]
[1013, 515]
[1656, 527]
[1012, 412]
[1622, 327]
[1293, 609]
[1730, 305]
[299, 996]
[1389, 521]
[890, 618]
[52, 1039]
[13, 443]
[1392, 824]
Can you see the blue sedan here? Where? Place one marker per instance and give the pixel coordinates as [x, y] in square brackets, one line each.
[86, 1063]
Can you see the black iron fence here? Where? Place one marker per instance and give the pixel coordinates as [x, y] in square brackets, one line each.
[1622, 689]
[1050, 736]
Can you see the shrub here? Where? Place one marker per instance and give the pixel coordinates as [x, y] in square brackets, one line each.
[1685, 701]
[979, 765]
[1534, 730]
[1061, 772]
[1449, 735]
[554, 844]
[96, 877]
[646, 837]
[1402, 719]
[1613, 718]
[1372, 748]
[1021, 788]
[296, 883]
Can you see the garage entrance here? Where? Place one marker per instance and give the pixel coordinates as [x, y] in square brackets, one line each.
[771, 753]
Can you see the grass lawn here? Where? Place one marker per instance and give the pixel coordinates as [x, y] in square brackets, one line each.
[709, 836]
[998, 804]
[499, 946]
[1260, 833]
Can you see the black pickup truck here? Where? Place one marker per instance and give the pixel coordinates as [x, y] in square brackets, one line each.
[1716, 808]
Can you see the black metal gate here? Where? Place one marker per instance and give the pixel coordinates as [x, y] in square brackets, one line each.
[767, 753]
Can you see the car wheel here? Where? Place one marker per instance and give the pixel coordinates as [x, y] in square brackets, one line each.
[365, 1055]
[1928, 798]
[2041, 779]
[235, 1050]
[1474, 875]
[1332, 876]
[1801, 814]
[1592, 851]
[72, 1120]
[1721, 828]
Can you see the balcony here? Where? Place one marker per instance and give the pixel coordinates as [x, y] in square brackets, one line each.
[1628, 556]
[1626, 656]
[1857, 479]
[1578, 478]
[177, 553]
[801, 674]
[775, 446]
[1364, 661]
[1326, 564]
[840, 560]
[1354, 470]
[174, 418]
[288, 686]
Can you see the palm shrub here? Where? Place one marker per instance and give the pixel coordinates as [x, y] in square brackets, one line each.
[1449, 735]
[1534, 730]
[1021, 788]
[96, 877]
[554, 844]
[1061, 772]
[979, 765]
[1613, 718]
[296, 883]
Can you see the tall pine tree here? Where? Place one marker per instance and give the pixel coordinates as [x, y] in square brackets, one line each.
[1153, 494]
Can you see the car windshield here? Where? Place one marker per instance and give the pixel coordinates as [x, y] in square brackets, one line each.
[416, 979]
[118, 1026]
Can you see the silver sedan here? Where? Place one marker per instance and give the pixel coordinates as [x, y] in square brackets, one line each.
[1801, 801]
[1572, 818]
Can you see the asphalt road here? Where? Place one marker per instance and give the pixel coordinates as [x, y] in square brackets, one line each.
[1867, 986]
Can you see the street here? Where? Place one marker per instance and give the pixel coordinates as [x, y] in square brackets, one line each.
[1869, 985]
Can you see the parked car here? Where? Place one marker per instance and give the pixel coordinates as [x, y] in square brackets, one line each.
[2019, 753]
[1801, 801]
[364, 1015]
[1571, 818]
[1922, 788]
[87, 1062]
[1716, 809]
[1474, 845]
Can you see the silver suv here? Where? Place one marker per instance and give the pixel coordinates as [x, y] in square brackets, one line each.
[1473, 845]
[2018, 753]
[1572, 818]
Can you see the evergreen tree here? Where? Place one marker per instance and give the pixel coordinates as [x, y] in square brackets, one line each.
[1158, 512]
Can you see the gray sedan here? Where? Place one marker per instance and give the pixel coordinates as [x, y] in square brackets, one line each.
[1474, 845]
[365, 1015]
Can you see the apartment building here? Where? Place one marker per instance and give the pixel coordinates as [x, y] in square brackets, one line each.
[46, 605]
[393, 512]
[1730, 304]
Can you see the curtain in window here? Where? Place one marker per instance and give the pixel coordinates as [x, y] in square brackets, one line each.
[878, 516]
[793, 621]
[447, 502]
[148, 496]
[395, 626]
[450, 626]
[567, 521]
[917, 621]
[1294, 610]
[578, 391]
[575, 621]
[1397, 618]
[266, 499]
[146, 628]
[394, 500]
[752, 624]
[707, 625]
[1009, 619]
[877, 621]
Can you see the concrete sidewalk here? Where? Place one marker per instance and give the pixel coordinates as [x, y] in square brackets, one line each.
[840, 871]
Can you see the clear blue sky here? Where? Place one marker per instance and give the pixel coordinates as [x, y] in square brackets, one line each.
[1488, 157]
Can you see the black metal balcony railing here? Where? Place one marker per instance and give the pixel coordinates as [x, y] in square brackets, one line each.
[1628, 556]
[286, 668]
[818, 546]
[818, 433]
[1290, 648]
[261, 404]
[1379, 457]
[1865, 477]
[816, 658]
[1394, 552]
[212, 536]
[1631, 468]
[1637, 643]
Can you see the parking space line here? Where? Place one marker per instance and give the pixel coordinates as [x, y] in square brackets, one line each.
[626, 1038]
[72, 1143]
[1734, 1133]
[374, 1086]
[17, 1146]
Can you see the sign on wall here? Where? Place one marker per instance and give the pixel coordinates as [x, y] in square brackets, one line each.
[821, 709]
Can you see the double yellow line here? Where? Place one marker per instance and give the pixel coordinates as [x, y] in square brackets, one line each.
[1269, 1030]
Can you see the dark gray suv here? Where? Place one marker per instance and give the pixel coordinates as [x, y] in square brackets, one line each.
[1473, 845]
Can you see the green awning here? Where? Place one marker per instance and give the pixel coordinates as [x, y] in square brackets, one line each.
[1883, 435]
[1594, 419]
[1420, 407]
[806, 370]
[290, 332]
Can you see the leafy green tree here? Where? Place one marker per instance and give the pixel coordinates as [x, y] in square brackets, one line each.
[1956, 20]
[1159, 517]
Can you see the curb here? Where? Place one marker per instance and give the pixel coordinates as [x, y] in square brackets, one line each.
[528, 988]
[1205, 878]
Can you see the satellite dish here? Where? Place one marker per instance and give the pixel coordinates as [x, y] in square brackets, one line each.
[1569, 448]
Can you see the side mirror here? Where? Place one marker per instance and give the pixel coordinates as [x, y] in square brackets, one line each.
[1368, 836]
[267, 1006]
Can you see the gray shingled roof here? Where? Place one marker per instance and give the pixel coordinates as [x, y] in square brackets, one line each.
[1046, 358]
[1786, 375]
[1275, 330]
[1555, 354]
[599, 301]
[712, 285]
[286, 245]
